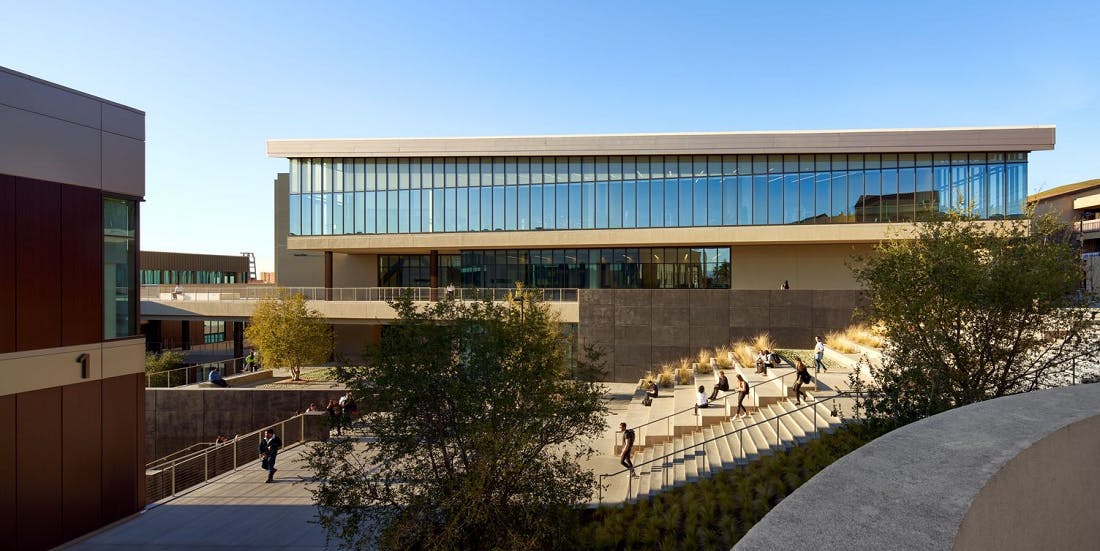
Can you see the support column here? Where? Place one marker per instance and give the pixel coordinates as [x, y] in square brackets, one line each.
[328, 275]
[238, 345]
[433, 274]
[185, 334]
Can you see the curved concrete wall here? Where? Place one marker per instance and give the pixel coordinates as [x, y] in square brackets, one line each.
[1012, 473]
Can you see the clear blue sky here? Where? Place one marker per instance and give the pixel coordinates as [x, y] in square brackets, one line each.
[217, 79]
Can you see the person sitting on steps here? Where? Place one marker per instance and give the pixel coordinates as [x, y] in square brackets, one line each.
[701, 399]
[722, 385]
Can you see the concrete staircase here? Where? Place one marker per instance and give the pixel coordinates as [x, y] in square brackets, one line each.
[686, 447]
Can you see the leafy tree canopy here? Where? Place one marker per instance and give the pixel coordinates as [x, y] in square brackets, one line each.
[975, 310]
[289, 333]
[483, 421]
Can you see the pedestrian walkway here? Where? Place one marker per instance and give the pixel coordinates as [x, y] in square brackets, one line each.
[237, 510]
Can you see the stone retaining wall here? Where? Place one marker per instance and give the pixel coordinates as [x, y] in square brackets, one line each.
[179, 417]
[638, 329]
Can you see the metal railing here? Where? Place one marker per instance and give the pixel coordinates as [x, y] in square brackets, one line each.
[666, 464]
[1086, 226]
[192, 374]
[168, 477]
[726, 403]
[179, 453]
[206, 293]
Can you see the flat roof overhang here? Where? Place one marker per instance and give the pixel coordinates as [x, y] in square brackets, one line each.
[909, 140]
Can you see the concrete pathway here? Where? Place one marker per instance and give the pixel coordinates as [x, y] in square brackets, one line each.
[237, 509]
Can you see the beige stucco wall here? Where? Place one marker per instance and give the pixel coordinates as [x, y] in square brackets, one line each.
[1049, 488]
[354, 270]
[54, 367]
[818, 267]
[592, 238]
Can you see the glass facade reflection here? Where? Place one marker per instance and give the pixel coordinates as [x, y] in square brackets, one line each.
[346, 196]
[119, 268]
[626, 268]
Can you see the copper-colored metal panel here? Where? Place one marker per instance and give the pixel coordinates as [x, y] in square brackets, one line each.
[7, 263]
[121, 469]
[82, 253]
[37, 264]
[8, 473]
[81, 444]
[38, 468]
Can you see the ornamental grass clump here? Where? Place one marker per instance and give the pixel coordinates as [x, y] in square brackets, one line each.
[667, 376]
[839, 341]
[763, 341]
[861, 334]
[684, 375]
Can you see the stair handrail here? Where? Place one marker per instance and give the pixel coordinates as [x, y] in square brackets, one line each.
[816, 430]
[240, 456]
[184, 451]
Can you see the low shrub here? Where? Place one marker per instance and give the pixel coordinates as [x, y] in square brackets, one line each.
[667, 376]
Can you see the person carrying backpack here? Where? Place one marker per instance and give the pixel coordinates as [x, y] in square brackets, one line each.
[801, 377]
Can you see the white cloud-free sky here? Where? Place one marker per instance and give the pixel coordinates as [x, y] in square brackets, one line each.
[217, 79]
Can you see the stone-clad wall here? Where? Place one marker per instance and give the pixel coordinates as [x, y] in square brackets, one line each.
[176, 418]
[637, 329]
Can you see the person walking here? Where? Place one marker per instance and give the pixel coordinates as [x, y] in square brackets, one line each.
[335, 414]
[269, 449]
[819, 353]
[802, 376]
[722, 385]
[742, 391]
[628, 448]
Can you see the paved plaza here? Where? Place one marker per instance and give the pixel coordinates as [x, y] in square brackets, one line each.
[237, 509]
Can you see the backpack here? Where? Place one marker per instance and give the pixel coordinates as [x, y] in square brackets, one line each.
[647, 401]
[774, 358]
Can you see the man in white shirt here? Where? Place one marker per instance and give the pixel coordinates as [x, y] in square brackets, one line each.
[819, 353]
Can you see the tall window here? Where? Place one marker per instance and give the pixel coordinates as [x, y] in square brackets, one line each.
[119, 268]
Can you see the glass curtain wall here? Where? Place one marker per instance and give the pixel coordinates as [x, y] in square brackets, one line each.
[628, 268]
[420, 195]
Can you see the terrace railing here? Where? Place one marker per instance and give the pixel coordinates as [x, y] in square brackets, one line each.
[170, 475]
[204, 293]
[192, 374]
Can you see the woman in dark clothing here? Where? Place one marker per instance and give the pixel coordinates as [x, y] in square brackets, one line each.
[801, 376]
[742, 391]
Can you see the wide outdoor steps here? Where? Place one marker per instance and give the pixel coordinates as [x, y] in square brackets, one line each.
[687, 447]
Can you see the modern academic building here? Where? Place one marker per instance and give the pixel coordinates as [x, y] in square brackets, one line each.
[72, 174]
[674, 241]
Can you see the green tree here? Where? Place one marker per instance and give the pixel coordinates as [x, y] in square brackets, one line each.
[973, 311]
[482, 424]
[158, 367]
[289, 334]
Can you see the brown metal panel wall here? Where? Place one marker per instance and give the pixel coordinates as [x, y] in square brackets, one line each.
[37, 264]
[123, 412]
[81, 444]
[82, 255]
[138, 380]
[38, 463]
[7, 471]
[7, 263]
